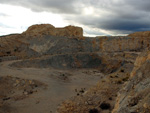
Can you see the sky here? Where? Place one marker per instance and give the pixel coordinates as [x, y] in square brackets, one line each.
[96, 17]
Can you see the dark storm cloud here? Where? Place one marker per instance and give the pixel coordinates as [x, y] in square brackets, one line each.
[123, 16]
[59, 6]
[117, 23]
[143, 5]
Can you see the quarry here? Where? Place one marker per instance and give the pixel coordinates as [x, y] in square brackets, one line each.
[58, 70]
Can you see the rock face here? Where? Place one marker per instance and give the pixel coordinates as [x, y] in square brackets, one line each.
[140, 60]
[12, 46]
[135, 96]
[81, 60]
[45, 39]
[140, 34]
[47, 29]
[38, 39]
[69, 44]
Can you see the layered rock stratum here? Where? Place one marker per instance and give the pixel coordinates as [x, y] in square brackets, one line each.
[69, 44]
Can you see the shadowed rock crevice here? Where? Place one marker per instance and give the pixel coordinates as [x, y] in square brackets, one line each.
[105, 106]
[93, 111]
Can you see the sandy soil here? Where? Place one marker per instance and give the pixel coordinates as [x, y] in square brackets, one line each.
[53, 86]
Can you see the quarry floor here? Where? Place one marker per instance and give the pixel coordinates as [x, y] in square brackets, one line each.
[41, 90]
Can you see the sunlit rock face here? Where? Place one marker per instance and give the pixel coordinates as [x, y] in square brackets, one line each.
[47, 29]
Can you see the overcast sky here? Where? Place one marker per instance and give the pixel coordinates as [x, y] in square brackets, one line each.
[96, 17]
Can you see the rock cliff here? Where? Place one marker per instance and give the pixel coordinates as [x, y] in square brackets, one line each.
[47, 44]
[45, 39]
[135, 97]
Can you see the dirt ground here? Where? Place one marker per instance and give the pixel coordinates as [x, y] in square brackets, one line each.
[41, 90]
[102, 97]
